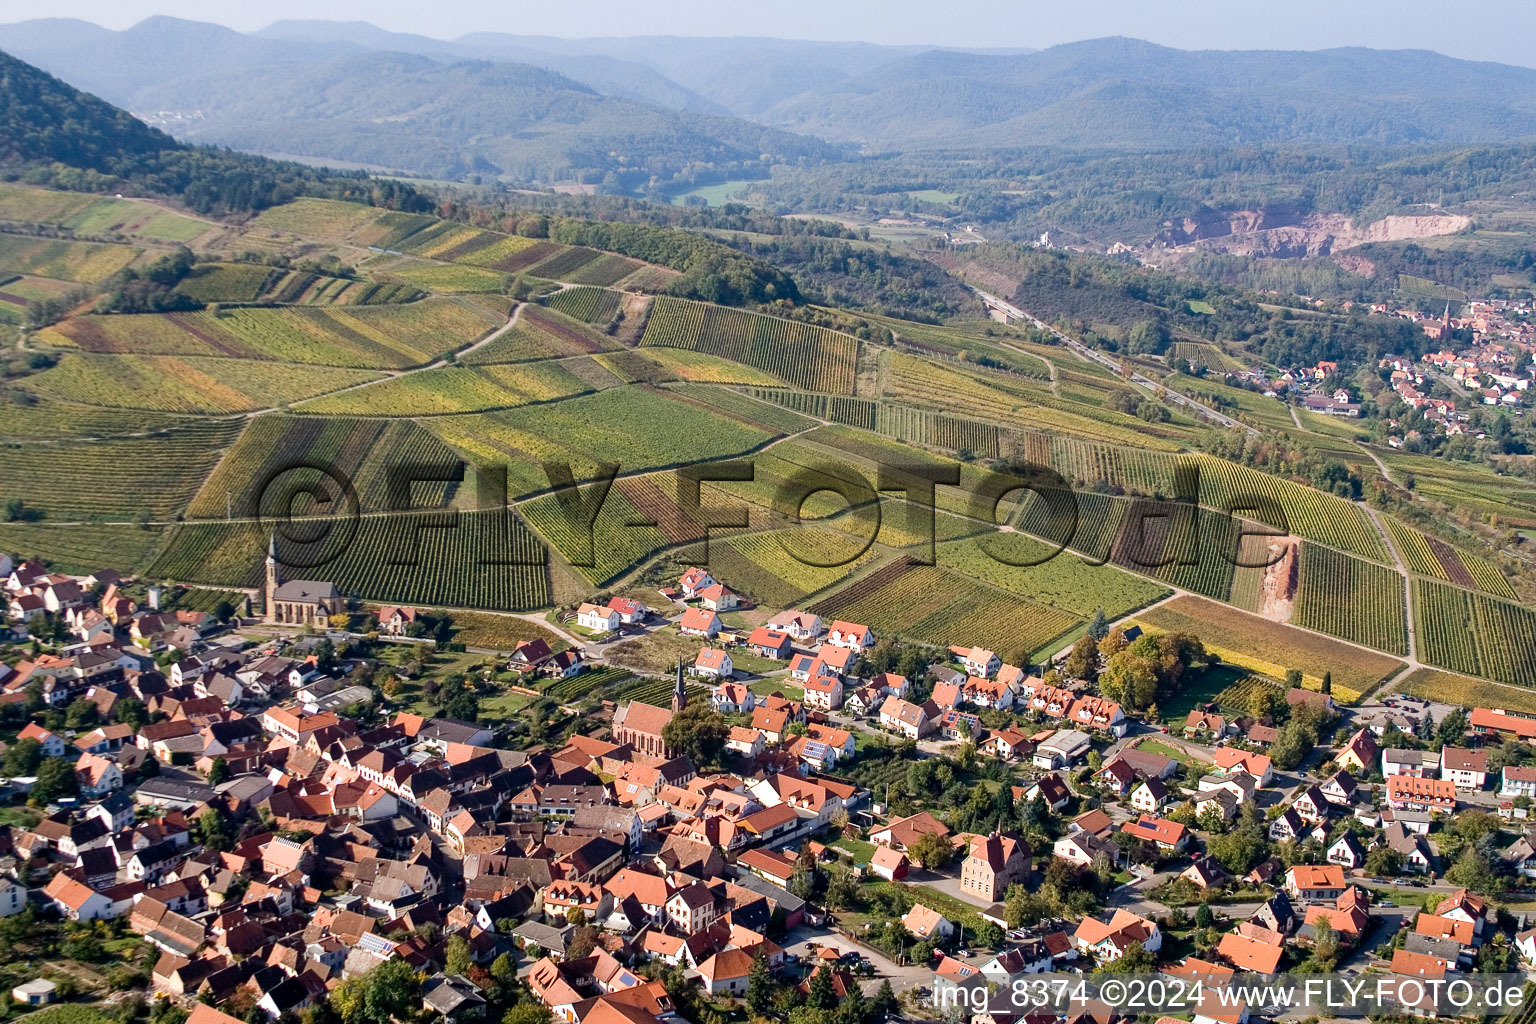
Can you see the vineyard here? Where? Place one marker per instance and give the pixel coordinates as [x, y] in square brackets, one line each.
[502, 632]
[1190, 547]
[455, 389]
[88, 214]
[485, 560]
[1351, 599]
[586, 684]
[698, 368]
[932, 605]
[739, 406]
[657, 692]
[92, 480]
[452, 277]
[772, 567]
[331, 219]
[18, 292]
[81, 549]
[1270, 648]
[1431, 556]
[1432, 684]
[1326, 518]
[250, 282]
[87, 262]
[637, 427]
[192, 385]
[535, 336]
[362, 451]
[589, 305]
[1238, 698]
[812, 358]
[1474, 634]
[614, 544]
[1063, 580]
[853, 412]
[389, 336]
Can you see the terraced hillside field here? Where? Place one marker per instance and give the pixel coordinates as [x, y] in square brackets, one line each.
[1270, 648]
[80, 550]
[1433, 557]
[251, 282]
[587, 304]
[365, 337]
[88, 214]
[540, 333]
[808, 357]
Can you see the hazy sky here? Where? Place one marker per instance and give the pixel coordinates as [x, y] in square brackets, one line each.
[1498, 30]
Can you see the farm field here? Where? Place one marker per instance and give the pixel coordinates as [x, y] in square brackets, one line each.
[73, 549]
[191, 385]
[455, 277]
[1271, 648]
[614, 544]
[539, 334]
[484, 560]
[251, 282]
[501, 632]
[587, 304]
[361, 451]
[1063, 581]
[454, 389]
[1431, 556]
[772, 567]
[1474, 634]
[1451, 688]
[90, 214]
[807, 357]
[116, 479]
[934, 605]
[981, 338]
[1474, 487]
[17, 292]
[365, 337]
[1352, 599]
[1248, 405]
[48, 419]
[86, 262]
[742, 407]
[637, 427]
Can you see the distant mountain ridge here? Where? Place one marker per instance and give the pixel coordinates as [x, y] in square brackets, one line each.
[445, 116]
[1128, 93]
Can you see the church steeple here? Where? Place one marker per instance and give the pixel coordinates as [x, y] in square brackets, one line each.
[679, 690]
[272, 581]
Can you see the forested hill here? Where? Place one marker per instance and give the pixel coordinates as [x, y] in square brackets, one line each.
[45, 119]
[55, 134]
[1126, 92]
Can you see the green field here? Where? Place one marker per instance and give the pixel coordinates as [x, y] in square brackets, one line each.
[116, 479]
[589, 305]
[82, 549]
[714, 195]
[807, 357]
[86, 262]
[371, 337]
[455, 389]
[192, 385]
[1063, 580]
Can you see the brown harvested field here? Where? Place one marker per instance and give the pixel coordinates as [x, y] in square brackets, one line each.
[1433, 684]
[1269, 648]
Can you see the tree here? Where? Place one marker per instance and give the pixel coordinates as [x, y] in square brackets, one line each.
[55, 778]
[1325, 947]
[213, 830]
[1472, 871]
[504, 969]
[1327, 682]
[528, 1012]
[884, 1001]
[1383, 861]
[1083, 662]
[1135, 960]
[822, 996]
[218, 771]
[933, 851]
[81, 714]
[131, 711]
[760, 986]
[1452, 728]
[699, 731]
[1203, 915]
[988, 934]
[1238, 851]
[583, 941]
[456, 955]
[23, 757]
[392, 990]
